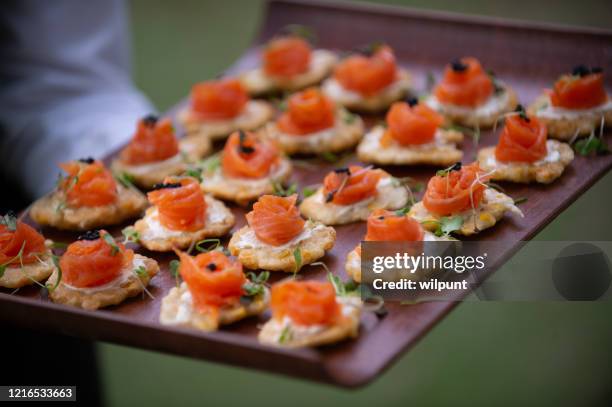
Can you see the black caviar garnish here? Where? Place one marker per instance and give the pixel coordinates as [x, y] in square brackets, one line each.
[87, 160]
[458, 66]
[369, 49]
[456, 166]
[343, 170]
[381, 217]
[150, 120]
[90, 235]
[10, 214]
[581, 70]
[412, 101]
[241, 147]
[166, 185]
[211, 266]
[522, 114]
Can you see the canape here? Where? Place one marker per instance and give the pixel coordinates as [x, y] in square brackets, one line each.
[181, 215]
[350, 194]
[459, 198]
[578, 104]
[310, 313]
[276, 237]
[218, 108]
[87, 197]
[154, 153]
[470, 96]
[214, 292]
[523, 152]
[388, 226]
[368, 81]
[248, 167]
[97, 271]
[25, 256]
[313, 124]
[288, 63]
[413, 135]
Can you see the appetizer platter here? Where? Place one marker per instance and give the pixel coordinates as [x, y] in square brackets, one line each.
[289, 177]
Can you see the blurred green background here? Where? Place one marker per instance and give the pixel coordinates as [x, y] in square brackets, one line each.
[544, 354]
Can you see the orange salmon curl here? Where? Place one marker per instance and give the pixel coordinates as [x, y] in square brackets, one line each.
[465, 83]
[369, 72]
[411, 123]
[523, 139]
[213, 279]
[287, 56]
[247, 156]
[180, 203]
[305, 302]
[345, 186]
[222, 99]
[153, 141]
[275, 220]
[457, 191]
[88, 183]
[307, 112]
[94, 259]
[24, 238]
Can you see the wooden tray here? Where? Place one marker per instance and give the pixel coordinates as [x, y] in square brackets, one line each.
[527, 56]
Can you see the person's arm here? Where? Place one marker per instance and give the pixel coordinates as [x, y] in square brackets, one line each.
[65, 86]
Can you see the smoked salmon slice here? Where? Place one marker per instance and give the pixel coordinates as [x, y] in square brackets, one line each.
[247, 156]
[88, 183]
[180, 204]
[214, 280]
[17, 236]
[345, 186]
[153, 141]
[307, 112]
[583, 89]
[368, 74]
[94, 259]
[523, 139]
[305, 302]
[287, 56]
[222, 99]
[412, 123]
[384, 225]
[275, 220]
[465, 83]
[456, 191]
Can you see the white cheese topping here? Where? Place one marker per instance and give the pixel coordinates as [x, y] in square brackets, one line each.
[249, 240]
[219, 177]
[126, 272]
[553, 112]
[143, 169]
[297, 331]
[495, 104]
[336, 91]
[372, 141]
[215, 213]
[552, 156]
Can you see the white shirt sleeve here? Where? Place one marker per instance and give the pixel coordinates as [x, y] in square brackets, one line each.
[65, 86]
